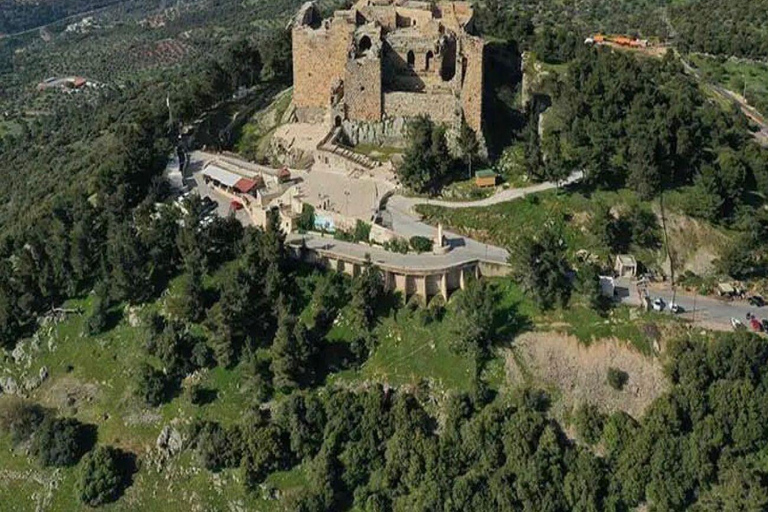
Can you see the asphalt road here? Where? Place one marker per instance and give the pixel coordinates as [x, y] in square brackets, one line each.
[701, 310]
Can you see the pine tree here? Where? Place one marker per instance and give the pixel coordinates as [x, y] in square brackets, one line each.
[293, 351]
[98, 319]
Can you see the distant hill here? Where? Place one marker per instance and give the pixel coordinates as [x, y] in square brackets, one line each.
[20, 15]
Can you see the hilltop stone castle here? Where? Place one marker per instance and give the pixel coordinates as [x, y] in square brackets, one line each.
[372, 67]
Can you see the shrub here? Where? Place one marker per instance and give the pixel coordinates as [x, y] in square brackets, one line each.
[60, 441]
[589, 423]
[21, 419]
[397, 245]
[421, 244]
[101, 477]
[362, 231]
[218, 447]
[617, 378]
[306, 220]
[152, 385]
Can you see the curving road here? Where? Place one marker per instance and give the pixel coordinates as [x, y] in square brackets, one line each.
[709, 312]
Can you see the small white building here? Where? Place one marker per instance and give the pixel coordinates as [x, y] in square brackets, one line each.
[626, 266]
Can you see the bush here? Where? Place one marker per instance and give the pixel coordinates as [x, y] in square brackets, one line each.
[218, 447]
[589, 423]
[101, 478]
[421, 244]
[617, 378]
[397, 245]
[362, 231]
[152, 385]
[21, 419]
[306, 220]
[61, 442]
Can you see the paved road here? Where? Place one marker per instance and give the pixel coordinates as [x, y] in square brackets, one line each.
[400, 216]
[703, 311]
[503, 196]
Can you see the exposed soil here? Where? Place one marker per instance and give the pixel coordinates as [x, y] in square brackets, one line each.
[579, 372]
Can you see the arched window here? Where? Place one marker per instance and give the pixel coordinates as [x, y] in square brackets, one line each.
[337, 121]
[428, 60]
[411, 59]
[364, 44]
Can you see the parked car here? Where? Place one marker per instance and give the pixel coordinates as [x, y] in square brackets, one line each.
[757, 301]
[676, 308]
[736, 323]
[764, 323]
[755, 324]
[658, 304]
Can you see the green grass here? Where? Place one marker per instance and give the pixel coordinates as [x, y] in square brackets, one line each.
[376, 152]
[738, 76]
[410, 352]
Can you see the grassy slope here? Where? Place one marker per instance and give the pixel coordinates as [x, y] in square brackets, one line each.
[410, 353]
[735, 74]
[501, 224]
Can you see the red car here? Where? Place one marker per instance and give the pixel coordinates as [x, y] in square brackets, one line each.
[756, 325]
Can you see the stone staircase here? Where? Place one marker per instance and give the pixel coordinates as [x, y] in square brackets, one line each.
[329, 145]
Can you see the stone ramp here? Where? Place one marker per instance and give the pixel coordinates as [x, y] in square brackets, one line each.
[329, 145]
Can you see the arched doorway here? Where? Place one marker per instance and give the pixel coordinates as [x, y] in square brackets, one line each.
[428, 60]
[337, 122]
[364, 45]
[411, 59]
[448, 69]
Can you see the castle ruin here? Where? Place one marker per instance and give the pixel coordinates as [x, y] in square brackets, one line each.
[372, 67]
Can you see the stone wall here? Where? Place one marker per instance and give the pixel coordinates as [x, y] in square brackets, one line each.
[471, 68]
[388, 132]
[362, 89]
[319, 59]
[441, 108]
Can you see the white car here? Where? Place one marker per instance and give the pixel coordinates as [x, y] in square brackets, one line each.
[737, 324]
[676, 308]
[658, 304]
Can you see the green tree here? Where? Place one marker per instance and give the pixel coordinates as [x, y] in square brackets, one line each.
[467, 144]
[101, 477]
[97, 320]
[473, 313]
[151, 385]
[589, 423]
[541, 266]
[60, 441]
[293, 354]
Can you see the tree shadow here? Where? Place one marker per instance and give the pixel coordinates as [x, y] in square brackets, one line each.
[509, 323]
[127, 466]
[113, 318]
[205, 396]
[87, 435]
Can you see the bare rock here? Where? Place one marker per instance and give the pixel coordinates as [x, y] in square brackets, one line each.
[132, 315]
[169, 441]
[8, 385]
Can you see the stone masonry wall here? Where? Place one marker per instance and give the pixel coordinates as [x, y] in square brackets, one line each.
[319, 59]
[441, 108]
[362, 89]
[388, 132]
[472, 90]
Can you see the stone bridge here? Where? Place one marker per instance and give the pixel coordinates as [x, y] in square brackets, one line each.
[424, 275]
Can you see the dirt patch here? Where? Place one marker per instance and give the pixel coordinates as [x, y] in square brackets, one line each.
[695, 244]
[579, 372]
[68, 392]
